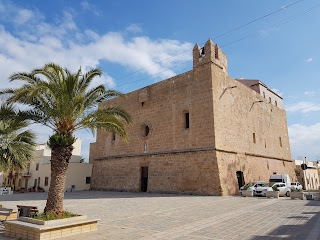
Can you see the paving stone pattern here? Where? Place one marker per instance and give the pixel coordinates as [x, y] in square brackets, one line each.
[161, 216]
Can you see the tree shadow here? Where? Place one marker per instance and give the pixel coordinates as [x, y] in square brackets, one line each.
[310, 228]
[93, 195]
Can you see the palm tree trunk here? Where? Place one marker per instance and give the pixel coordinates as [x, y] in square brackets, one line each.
[60, 156]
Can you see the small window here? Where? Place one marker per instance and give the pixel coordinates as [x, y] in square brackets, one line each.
[187, 120]
[275, 102]
[254, 137]
[46, 181]
[146, 130]
[269, 99]
[264, 94]
[280, 141]
[88, 180]
[113, 138]
[38, 181]
[37, 166]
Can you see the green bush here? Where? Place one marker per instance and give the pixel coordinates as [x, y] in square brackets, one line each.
[296, 190]
[275, 188]
[53, 216]
[245, 187]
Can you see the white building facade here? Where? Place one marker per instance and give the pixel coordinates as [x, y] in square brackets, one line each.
[309, 178]
[37, 176]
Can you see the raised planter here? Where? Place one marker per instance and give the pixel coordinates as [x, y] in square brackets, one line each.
[309, 197]
[272, 194]
[34, 229]
[52, 222]
[294, 195]
[247, 193]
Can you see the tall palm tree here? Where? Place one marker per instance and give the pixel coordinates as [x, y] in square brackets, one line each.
[16, 143]
[65, 102]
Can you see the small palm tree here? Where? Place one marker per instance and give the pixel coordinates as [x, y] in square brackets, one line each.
[16, 143]
[64, 102]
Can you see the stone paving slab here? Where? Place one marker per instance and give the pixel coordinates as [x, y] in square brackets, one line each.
[162, 216]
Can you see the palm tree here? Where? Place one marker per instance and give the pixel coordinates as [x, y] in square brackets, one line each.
[64, 102]
[16, 143]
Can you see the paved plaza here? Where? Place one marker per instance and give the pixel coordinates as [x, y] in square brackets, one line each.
[161, 216]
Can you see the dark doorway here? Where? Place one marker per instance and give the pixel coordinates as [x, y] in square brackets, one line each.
[240, 178]
[144, 179]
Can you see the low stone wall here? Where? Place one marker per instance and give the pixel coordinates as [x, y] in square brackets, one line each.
[25, 230]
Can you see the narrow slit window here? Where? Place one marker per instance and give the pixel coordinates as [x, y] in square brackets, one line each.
[254, 137]
[113, 137]
[275, 102]
[46, 181]
[264, 94]
[187, 120]
[280, 141]
[269, 99]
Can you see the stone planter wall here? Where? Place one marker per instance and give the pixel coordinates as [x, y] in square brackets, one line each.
[309, 196]
[247, 193]
[59, 229]
[294, 195]
[272, 194]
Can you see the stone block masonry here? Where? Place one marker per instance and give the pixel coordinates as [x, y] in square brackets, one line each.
[24, 230]
[200, 132]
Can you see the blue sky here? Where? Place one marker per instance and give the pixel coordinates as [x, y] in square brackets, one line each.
[123, 37]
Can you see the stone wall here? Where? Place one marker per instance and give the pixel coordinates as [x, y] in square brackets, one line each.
[254, 169]
[249, 133]
[188, 172]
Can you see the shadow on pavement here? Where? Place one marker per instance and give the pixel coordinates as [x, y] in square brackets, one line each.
[91, 195]
[300, 231]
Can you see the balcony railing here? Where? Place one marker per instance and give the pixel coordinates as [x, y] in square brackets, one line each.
[26, 174]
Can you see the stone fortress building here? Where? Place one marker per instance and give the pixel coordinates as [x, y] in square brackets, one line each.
[200, 132]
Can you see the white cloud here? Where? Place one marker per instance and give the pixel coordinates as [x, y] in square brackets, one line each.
[31, 45]
[52, 43]
[304, 107]
[277, 91]
[309, 60]
[23, 16]
[267, 31]
[90, 7]
[134, 28]
[310, 93]
[305, 140]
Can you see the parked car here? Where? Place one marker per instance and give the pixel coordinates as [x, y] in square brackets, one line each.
[296, 185]
[283, 189]
[280, 178]
[251, 186]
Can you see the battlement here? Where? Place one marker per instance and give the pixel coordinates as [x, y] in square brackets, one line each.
[210, 53]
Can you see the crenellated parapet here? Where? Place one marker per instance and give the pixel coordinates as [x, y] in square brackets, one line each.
[210, 52]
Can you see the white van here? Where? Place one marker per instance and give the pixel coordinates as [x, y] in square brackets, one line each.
[282, 178]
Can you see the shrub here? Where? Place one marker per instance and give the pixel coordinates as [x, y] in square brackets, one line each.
[53, 216]
[275, 188]
[296, 190]
[245, 187]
